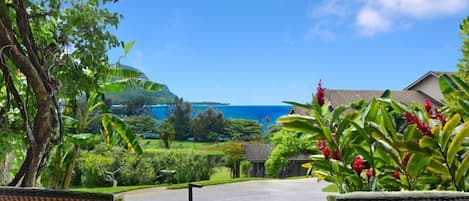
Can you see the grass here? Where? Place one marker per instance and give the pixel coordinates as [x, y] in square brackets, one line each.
[113, 190]
[221, 173]
[331, 188]
[206, 147]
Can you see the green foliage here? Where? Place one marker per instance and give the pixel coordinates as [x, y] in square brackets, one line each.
[245, 165]
[188, 165]
[208, 125]
[135, 171]
[129, 169]
[243, 129]
[276, 161]
[232, 153]
[287, 143]
[383, 145]
[166, 132]
[464, 61]
[151, 97]
[140, 124]
[456, 92]
[181, 118]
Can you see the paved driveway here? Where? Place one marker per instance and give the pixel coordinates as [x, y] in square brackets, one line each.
[264, 190]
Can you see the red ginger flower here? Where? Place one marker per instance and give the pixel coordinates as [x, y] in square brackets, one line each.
[412, 119]
[370, 173]
[320, 92]
[323, 146]
[358, 165]
[406, 159]
[428, 107]
[335, 155]
[397, 173]
[437, 116]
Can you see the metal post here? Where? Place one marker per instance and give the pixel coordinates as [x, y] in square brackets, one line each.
[190, 189]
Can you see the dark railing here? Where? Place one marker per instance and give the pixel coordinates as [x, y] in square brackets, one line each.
[191, 185]
[33, 194]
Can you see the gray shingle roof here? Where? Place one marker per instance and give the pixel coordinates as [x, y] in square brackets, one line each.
[344, 97]
[257, 152]
[261, 152]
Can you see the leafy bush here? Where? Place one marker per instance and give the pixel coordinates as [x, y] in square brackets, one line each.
[384, 145]
[245, 165]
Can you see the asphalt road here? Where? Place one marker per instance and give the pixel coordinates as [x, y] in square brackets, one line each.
[264, 190]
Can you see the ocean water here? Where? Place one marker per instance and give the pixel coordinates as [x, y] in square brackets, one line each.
[254, 112]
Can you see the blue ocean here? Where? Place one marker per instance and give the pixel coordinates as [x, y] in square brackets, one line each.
[260, 113]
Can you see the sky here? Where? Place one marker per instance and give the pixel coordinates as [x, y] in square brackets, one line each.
[263, 52]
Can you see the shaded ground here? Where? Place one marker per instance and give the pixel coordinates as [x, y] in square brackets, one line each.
[263, 190]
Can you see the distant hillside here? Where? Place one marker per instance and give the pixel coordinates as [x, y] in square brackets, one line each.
[162, 97]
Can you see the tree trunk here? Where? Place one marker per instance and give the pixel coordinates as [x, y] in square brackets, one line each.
[39, 136]
[36, 158]
[70, 167]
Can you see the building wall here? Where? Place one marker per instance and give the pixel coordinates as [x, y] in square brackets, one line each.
[430, 86]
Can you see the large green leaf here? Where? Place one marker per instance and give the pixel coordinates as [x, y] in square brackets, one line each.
[391, 151]
[461, 172]
[461, 83]
[128, 46]
[388, 123]
[386, 94]
[301, 105]
[326, 131]
[110, 120]
[299, 123]
[447, 85]
[464, 105]
[371, 110]
[122, 85]
[416, 164]
[412, 147]
[438, 167]
[124, 73]
[448, 129]
[456, 143]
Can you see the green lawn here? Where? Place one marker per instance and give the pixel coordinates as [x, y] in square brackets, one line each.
[331, 188]
[207, 147]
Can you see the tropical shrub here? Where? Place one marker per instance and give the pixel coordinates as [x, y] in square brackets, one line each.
[287, 143]
[383, 144]
[244, 167]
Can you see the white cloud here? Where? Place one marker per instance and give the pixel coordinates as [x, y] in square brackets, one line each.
[378, 16]
[370, 22]
[331, 7]
[319, 31]
[423, 8]
[372, 17]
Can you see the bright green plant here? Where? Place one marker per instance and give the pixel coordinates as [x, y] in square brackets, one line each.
[244, 166]
[384, 145]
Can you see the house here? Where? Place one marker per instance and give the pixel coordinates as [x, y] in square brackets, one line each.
[424, 88]
[429, 85]
[257, 154]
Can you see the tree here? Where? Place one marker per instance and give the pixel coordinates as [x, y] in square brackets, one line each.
[140, 124]
[455, 87]
[166, 132]
[243, 129]
[208, 125]
[232, 153]
[181, 118]
[56, 48]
